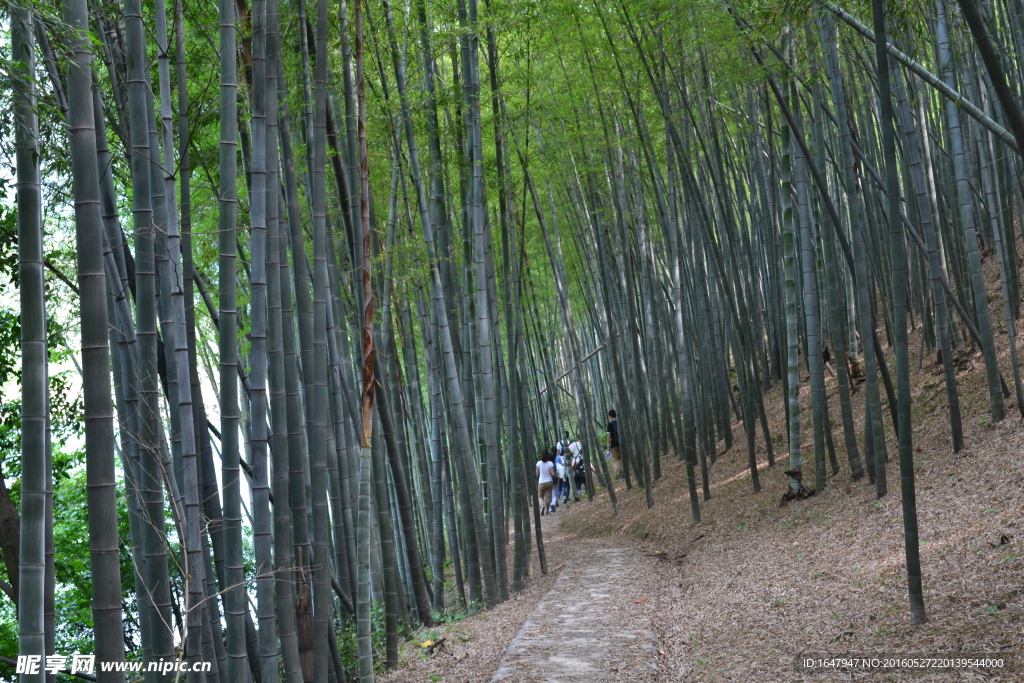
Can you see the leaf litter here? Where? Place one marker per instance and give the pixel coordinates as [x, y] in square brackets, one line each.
[756, 584]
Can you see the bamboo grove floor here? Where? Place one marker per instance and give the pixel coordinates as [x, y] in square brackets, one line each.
[756, 584]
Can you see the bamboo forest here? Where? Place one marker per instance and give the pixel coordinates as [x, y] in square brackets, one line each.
[439, 340]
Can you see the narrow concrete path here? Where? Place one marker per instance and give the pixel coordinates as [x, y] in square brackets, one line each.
[589, 626]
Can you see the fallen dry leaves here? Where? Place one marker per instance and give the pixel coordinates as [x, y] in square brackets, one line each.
[738, 597]
[756, 584]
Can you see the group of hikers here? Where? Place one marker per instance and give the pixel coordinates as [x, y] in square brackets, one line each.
[565, 459]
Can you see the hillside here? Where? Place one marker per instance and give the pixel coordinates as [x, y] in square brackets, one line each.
[757, 583]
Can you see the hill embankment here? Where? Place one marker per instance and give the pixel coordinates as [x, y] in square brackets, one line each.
[758, 583]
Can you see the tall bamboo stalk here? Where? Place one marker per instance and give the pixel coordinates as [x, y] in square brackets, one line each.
[35, 441]
[367, 388]
[232, 587]
[899, 257]
[96, 385]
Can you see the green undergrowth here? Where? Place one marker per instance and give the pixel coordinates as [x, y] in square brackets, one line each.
[444, 622]
[349, 650]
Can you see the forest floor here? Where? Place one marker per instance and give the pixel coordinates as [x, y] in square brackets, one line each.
[606, 587]
[602, 631]
[757, 584]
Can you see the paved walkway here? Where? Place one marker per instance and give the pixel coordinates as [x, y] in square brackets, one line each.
[588, 627]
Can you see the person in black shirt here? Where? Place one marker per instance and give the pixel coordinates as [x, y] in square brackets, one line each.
[613, 444]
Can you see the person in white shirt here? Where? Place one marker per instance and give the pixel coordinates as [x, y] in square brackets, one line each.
[562, 461]
[576, 469]
[546, 481]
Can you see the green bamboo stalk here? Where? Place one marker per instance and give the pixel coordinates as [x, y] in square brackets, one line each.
[150, 487]
[812, 318]
[367, 389]
[899, 255]
[958, 150]
[96, 384]
[232, 586]
[835, 279]
[259, 252]
[35, 441]
[874, 441]
[277, 328]
[318, 399]
[792, 342]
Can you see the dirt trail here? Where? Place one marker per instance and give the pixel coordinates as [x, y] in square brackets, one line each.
[597, 615]
[588, 627]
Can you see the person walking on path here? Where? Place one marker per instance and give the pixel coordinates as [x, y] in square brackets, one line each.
[613, 444]
[563, 463]
[557, 478]
[545, 481]
[575, 448]
[579, 471]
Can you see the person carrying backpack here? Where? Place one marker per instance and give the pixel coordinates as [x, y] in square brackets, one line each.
[579, 469]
